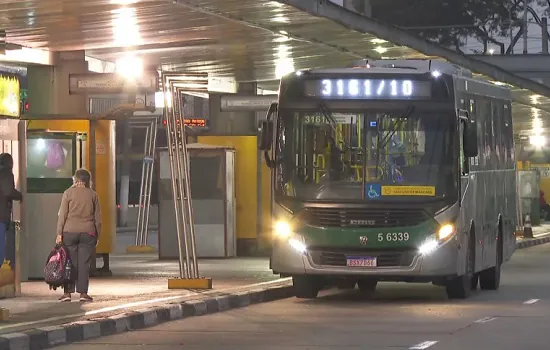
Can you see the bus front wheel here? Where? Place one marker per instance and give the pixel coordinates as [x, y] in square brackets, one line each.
[461, 287]
[306, 287]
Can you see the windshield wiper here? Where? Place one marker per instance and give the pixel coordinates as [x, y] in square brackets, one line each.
[381, 144]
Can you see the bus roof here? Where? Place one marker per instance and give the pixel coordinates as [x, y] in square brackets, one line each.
[417, 66]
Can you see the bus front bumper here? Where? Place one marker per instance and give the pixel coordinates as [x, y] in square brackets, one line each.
[294, 259]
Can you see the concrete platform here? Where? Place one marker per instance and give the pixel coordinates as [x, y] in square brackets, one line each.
[541, 235]
[138, 281]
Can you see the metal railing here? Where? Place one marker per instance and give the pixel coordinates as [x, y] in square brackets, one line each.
[151, 128]
[180, 176]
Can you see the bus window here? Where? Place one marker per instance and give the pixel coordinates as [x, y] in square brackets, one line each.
[318, 151]
[498, 125]
[464, 164]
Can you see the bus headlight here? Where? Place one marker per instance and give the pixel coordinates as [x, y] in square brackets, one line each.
[298, 246]
[428, 246]
[282, 229]
[433, 242]
[445, 231]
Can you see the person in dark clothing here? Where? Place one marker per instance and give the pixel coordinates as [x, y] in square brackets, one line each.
[336, 164]
[8, 194]
[544, 207]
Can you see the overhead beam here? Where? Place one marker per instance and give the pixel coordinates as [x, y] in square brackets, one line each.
[362, 24]
[242, 103]
[518, 63]
[117, 113]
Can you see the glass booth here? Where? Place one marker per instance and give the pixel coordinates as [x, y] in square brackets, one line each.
[52, 159]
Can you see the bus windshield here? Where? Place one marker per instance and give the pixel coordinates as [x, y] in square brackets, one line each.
[373, 155]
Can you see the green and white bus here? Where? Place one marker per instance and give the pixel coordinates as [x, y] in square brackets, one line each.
[394, 170]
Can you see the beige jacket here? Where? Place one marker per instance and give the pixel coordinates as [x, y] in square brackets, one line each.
[79, 212]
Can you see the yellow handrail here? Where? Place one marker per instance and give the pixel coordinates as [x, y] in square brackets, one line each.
[320, 168]
[359, 172]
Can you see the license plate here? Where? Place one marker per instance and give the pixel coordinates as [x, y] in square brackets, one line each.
[354, 261]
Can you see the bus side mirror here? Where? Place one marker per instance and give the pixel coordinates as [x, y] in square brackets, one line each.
[266, 130]
[470, 139]
[266, 134]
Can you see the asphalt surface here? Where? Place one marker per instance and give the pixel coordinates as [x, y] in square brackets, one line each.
[397, 316]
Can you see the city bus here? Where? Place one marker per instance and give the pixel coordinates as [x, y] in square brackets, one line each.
[391, 170]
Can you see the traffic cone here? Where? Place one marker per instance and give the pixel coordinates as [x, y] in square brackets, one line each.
[527, 229]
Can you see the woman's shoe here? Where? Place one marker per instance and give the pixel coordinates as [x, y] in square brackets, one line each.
[85, 297]
[65, 297]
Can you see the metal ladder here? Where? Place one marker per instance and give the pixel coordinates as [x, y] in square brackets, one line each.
[151, 128]
[180, 176]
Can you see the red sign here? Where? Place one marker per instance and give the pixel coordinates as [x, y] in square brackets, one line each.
[195, 122]
[192, 122]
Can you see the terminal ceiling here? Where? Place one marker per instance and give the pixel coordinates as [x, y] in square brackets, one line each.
[249, 40]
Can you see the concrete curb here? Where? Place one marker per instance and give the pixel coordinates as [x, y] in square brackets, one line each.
[533, 242]
[48, 337]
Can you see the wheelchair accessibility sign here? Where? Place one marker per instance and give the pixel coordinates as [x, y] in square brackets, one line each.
[374, 191]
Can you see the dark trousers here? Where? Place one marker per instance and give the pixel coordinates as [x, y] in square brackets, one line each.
[10, 244]
[80, 247]
[3, 242]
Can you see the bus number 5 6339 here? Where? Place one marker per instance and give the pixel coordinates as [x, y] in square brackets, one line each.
[393, 237]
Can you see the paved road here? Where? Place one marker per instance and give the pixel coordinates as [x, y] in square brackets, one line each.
[398, 316]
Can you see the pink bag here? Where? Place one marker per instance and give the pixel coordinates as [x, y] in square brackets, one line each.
[55, 157]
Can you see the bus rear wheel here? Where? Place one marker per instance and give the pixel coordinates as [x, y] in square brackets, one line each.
[306, 287]
[490, 279]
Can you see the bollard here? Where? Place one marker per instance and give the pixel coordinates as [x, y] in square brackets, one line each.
[527, 229]
[4, 315]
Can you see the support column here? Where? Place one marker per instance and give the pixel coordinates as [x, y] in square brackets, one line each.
[49, 101]
[240, 130]
[247, 238]
[48, 97]
[544, 27]
[10, 263]
[105, 186]
[125, 168]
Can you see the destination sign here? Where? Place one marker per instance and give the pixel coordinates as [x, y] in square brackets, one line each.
[368, 88]
[192, 122]
[195, 122]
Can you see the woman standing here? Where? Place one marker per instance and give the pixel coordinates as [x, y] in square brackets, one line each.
[78, 228]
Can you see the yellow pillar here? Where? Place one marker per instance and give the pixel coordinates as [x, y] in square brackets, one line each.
[105, 183]
[246, 182]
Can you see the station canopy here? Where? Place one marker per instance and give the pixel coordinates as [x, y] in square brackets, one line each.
[246, 40]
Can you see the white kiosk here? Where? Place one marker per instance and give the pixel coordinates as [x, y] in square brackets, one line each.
[212, 182]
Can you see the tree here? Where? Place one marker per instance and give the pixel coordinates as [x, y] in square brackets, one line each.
[546, 5]
[451, 22]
